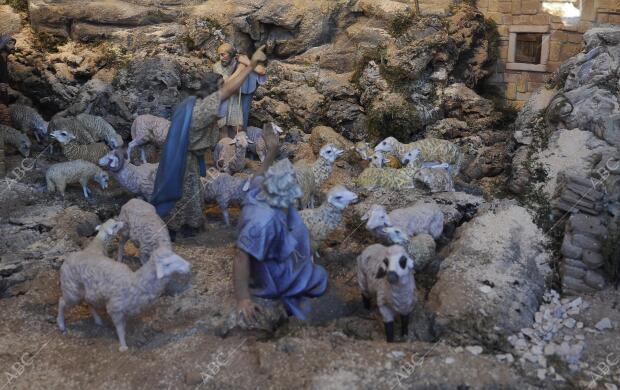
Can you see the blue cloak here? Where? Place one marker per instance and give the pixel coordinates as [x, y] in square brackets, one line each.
[278, 243]
[171, 171]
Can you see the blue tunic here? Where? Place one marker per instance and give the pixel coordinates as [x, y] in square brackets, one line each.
[278, 244]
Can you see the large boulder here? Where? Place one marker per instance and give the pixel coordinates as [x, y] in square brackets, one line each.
[493, 280]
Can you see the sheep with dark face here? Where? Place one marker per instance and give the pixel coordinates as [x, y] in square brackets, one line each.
[27, 119]
[420, 247]
[386, 273]
[77, 171]
[19, 140]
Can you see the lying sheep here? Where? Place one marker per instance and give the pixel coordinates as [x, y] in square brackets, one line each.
[72, 125]
[381, 160]
[311, 176]
[386, 273]
[27, 119]
[322, 221]
[255, 134]
[437, 180]
[105, 283]
[138, 179]
[72, 150]
[229, 154]
[224, 189]
[101, 130]
[431, 149]
[144, 227]
[417, 219]
[77, 171]
[19, 140]
[323, 135]
[146, 129]
[420, 247]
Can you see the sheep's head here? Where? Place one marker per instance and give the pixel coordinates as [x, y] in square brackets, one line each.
[241, 140]
[103, 179]
[378, 160]
[40, 128]
[340, 197]
[111, 160]
[396, 265]
[396, 235]
[330, 152]
[363, 149]
[411, 157]
[24, 146]
[109, 228]
[63, 136]
[116, 142]
[168, 263]
[377, 218]
[388, 145]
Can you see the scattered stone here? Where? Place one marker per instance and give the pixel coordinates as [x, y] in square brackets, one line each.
[569, 323]
[485, 289]
[549, 349]
[474, 350]
[397, 354]
[603, 324]
[450, 360]
[541, 374]
[193, 378]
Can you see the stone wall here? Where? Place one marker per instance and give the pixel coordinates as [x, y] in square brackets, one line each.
[560, 41]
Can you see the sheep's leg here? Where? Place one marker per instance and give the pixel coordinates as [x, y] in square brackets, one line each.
[404, 325]
[225, 214]
[142, 155]
[366, 301]
[62, 306]
[389, 331]
[119, 324]
[96, 316]
[85, 190]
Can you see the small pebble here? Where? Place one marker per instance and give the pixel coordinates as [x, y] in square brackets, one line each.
[474, 349]
[541, 374]
[603, 324]
[450, 360]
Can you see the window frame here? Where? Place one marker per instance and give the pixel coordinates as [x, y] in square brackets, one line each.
[511, 64]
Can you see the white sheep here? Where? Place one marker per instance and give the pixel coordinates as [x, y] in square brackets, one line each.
[144, 227]
[436, 180]
[322, 221]
[138, 179]
[419, 218]
[103, 240]
[431, 149]
[386, 273]
[27, 119]
[255, 134]
[105, 283]
[146, 129]
[311, 176]
[72, 150]
[101, 130]
[229, 154]
[77, 171]
[72, 125]
[224, 189]
[19, 140]
[420, 247]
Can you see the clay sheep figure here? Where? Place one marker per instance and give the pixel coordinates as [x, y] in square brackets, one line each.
[144, 227]
[431, 149]
[101, 130]
[73, 126]
[229, 154]
[72, 150]
[322, 221]
[311, 176]
[105, 233]
[138, 179]
[146, 129]
[77, 171]
[417, 219]
[224, 189]
[27, 119]
[386, 273]
[255, 134]
[436, 180]
[19, 140]
[421, 247]
[105, 283]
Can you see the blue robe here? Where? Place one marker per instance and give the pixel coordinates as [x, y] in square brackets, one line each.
[278, 244]
[169, 180]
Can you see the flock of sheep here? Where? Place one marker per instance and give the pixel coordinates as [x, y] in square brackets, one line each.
[94, 150]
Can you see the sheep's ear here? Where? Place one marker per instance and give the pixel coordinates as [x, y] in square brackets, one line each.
[381, 273]
[159, 270]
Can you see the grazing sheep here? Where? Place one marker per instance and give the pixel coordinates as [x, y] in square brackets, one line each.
[311, 176]
[101, 130]
[146, 129]
[19, 140]
[224, 189]
[322, 221]
[138, 179]
[76, 171]
[417, 219]
[323, 135]
[144, 227]
[229, 154]
[27, 119]
[75, 127]
[105, 283]
[72, 150]
[431, 149]
[420, 247]
[103, 240]
[255, 135]
[386, 273]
